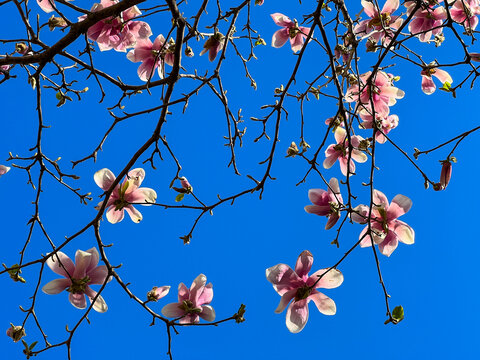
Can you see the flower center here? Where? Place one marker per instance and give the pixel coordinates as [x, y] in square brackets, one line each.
[189, 308]
[78, 285]
[303, 293]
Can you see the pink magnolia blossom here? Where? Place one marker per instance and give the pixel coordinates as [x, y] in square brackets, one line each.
[384, 123]
[464, 11]
[152, 56]
[213, 45]
[117, 33]
[426, 21]
[381, 93]
[125, 194]
[341, 151]
[192, 304]
[381, 24]
[78, 277]
[290, 31]
[326, 203]
[428, 86]
[4, 169]
[387, 230]
[296, 285]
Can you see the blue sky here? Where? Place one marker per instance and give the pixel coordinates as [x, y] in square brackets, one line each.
[434, 279]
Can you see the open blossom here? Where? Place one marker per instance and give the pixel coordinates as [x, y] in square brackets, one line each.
[426, 21]
[192, 304]
[326, 203]
[153, 56]
[341, 151]
[296, 285]
[384, 123]
[213, 45]
[78, 277]
[464, 12]
[381, 93]
[380, 24]
[123, 195]
[290, 31]
[428, 86]
[117, 33]
[4, 169]
[387, 230]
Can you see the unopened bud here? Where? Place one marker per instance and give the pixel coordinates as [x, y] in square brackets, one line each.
[446, 173]
[21, 48]
[157, 293]
[292, 150]
[186, 185]
[55, 22]
[189, 51]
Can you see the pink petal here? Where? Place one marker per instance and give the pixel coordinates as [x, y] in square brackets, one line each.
[4, 169]
[304, 263]
[404, 232]
[379, 199]
[82, 263]
[145, 196]
[56, 286]
[331, 279]
[369, 8]
[389, 244]
[390, 6]
[183, 292]
[95, 259]
[114, 216]
[206, 296]
[318, 210]
[332, 158]
[332, 220]
[361, 214]
[104, 179]
[98, 275]
[297, 42]
[61, 264]
[282, 20]
[135, 178]
[99, 305]
[172, 310]
[161, 292]
[317, 196]
[197, 287]
[324, 304]
[207, 314]
[399, 206]
[134, 214]
[428, 86]
[46, 5]
[443, 76]
[283, 278]
[78, 300]
[297, 316]
[280, 37]
[289, 295]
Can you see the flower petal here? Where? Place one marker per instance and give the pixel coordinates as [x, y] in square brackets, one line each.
[56, 286]
[207, 314]
[197, 287]
[399, 206]
[404, 232]
[114, 216]
[324, 304]
[135, 215]
[280, 37]
[172, 310]
[331, 279]
[297, 316]
[61, 264]
[82, 262]
[78, 300]
[104, 178]
[283, 278]
[206, 296]
[99, 305]
[98, 275]
[304, 263]
[289, 295]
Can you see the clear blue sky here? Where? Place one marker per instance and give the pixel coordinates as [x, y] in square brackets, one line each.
[434, 279]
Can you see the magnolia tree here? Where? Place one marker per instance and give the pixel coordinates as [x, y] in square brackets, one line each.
[342, 64]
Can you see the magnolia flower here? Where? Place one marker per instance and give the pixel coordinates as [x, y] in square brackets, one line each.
[296, 285]
[213, 45]
[157, 293]
[464, 11]
[426, 21]
[290, 31]
[125, 194]
[152, 56]
[380, 24]
[117, 33]
[386, 229]
[326, 203]
[428, 86]
[4, 169]
[341, 151]
[192, 304]
[78, 277]
[385, 124]
[382, 94]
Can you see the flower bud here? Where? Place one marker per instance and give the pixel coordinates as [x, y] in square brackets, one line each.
[185, 184]
[189, 51]
[21, 48]
[157, 293]
[55, 22]
[292, 150]
[446, 173]
[16, 332]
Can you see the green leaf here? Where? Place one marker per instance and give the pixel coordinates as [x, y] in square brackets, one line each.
[398, 314]
[32, 345]
[179, 197]
[446, 86]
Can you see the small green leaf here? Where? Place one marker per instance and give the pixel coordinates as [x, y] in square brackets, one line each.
[179, 197]
[59, 95]
[446, 86]
[398, 314]
[32, 345]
